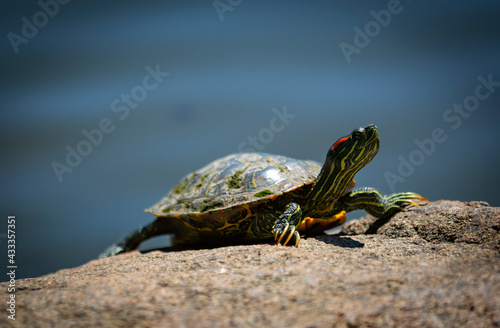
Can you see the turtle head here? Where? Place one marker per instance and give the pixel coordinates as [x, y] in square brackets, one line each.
[355, 150]
[344, 159]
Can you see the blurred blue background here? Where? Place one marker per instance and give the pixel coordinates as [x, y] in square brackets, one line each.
[229, 66]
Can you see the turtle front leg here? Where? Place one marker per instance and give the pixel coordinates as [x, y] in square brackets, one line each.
[287, 223]
[378, 205]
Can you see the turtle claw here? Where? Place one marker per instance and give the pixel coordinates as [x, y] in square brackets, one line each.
[407, 199]
[412, 204]
[397, 202]
[292, 233]
[283, 233]
[287, 223]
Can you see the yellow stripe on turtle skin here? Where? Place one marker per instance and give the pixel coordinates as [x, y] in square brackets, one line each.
[323, 189]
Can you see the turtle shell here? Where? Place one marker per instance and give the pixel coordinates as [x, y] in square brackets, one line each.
[235, 180]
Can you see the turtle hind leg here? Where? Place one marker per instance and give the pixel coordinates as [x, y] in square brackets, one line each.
[315, 226]
[114, 249]
[133, 240]
[129, 243]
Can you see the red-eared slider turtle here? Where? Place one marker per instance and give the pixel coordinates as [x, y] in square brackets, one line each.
[249, 197]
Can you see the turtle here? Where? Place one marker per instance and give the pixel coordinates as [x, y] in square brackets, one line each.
[255, 197]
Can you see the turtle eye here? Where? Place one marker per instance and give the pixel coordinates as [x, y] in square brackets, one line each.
[358, 134]
[339, 142]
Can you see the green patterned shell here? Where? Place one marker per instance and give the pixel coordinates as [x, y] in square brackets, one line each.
[236, 180]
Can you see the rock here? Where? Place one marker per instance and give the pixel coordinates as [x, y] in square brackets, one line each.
[433, 266]
[441, 221]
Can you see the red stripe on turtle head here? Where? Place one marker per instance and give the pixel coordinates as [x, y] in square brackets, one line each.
[340, 141]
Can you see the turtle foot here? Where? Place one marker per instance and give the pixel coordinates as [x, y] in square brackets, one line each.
[404, 199]
[287, 224]
[111, 251]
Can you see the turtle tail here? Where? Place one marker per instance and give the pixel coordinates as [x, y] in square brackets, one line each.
[133, 240]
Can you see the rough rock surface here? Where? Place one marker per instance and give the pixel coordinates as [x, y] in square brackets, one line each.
[433, 266]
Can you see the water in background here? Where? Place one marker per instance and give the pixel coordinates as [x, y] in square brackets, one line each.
[172, 86]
